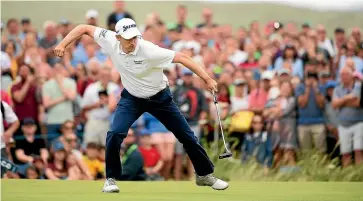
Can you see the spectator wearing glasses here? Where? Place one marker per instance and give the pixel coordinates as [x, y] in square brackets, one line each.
[346, 99]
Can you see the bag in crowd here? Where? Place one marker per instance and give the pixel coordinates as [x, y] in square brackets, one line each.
[241, 121]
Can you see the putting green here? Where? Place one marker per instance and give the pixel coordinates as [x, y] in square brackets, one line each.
[43, 190]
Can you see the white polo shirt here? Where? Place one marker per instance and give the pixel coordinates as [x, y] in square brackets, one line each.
[142, 70]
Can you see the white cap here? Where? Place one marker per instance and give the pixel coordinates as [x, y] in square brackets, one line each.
[92, 14]
[267, 75]
[127, 28]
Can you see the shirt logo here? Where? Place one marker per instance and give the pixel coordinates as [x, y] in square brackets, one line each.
[103, 33]
[138, 62]
[126, 27]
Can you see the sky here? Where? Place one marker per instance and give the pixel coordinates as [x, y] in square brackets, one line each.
[322, 5]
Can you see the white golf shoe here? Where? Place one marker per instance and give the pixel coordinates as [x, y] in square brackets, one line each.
[212, 181]
[110, 186]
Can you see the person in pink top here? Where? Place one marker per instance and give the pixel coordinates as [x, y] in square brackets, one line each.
[258, 96]
[6, 98]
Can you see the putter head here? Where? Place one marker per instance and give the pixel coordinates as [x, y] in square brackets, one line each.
[225, 155]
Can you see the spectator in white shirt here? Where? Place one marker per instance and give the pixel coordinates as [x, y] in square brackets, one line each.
[99, 101]
[6, 131]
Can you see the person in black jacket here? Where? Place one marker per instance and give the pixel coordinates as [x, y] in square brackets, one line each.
[118, 14]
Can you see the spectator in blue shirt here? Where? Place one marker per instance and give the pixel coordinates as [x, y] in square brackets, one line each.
[346, 99]
[290, 55]
[258, 144]
[311, 100]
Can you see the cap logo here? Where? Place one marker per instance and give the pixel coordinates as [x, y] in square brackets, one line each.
[126, 27]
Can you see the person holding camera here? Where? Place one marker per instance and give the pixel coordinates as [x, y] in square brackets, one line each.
[311, 100]
[99, 102]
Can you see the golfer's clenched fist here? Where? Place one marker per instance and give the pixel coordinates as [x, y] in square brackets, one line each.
[59, 51]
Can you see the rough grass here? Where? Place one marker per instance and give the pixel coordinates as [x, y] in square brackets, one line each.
[312, 167]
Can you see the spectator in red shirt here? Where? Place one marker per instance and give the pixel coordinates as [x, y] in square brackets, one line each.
[83, 78]
[24, 96]
[251, 62]
[258, 96]
[152, 160]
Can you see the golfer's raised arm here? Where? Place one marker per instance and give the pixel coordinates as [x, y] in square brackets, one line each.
[73, 35]
[192, 65]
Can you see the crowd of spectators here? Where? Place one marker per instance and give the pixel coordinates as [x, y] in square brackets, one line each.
[283, 89]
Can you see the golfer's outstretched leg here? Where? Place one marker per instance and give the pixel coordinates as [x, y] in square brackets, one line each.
[164, 109]
[127, 112]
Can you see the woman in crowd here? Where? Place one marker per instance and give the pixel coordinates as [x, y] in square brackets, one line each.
[57, 166]
[284, 111]
[257, 144]
[290, 55]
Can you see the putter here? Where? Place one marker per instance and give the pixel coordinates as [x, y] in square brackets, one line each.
[227, 153]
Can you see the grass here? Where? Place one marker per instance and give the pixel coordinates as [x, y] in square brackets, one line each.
[45, 190]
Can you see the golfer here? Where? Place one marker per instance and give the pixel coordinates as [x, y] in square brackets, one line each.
[140, 64]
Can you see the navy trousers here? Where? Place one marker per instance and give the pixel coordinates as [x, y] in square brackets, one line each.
[162, 107]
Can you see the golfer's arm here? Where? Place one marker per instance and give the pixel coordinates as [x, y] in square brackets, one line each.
[192, 65]
[77, 32]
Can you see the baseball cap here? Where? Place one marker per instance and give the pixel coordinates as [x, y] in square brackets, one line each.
[187, 71]
[58, 146]
[330, 84]
[283, 71]
[28, 121]
[92, 13]
[127, 28]
[267, 75]
[238, 82]
[305, 25]
[64, 22]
